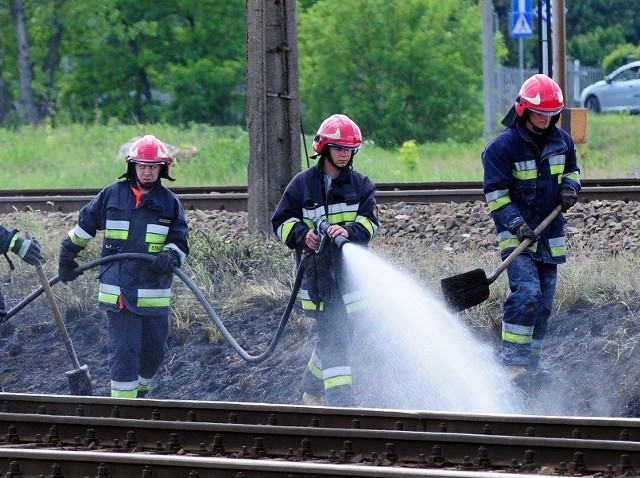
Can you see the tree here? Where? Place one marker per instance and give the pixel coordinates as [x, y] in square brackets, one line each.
[51, 61]
[4, 106]
[208, 63]
[142, 61]
[592, 47]
[401, 70]
[596, 28]
[25, 72]
[583, 16]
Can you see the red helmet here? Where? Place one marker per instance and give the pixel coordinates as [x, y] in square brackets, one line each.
[149, 149]
[541, 95]
[338, 130]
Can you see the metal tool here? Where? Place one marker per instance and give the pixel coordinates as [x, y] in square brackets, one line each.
[79, 378]
[472, 288]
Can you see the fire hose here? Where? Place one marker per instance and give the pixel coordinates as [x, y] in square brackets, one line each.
[321, 226]
[196, 292]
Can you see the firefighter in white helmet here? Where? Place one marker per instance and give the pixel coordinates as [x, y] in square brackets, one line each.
[138, 215]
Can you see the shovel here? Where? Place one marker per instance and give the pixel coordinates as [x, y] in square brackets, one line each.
[472, 288]
[79, 379]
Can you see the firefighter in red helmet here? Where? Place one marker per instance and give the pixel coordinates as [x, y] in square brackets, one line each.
[138, 215]
[529, 169]
[334, 192]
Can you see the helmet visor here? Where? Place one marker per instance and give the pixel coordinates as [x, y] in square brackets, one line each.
[353, 149]
[145, 161]
[546, 113]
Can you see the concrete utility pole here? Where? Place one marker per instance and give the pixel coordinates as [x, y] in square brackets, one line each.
[273, 109]
[488, 70]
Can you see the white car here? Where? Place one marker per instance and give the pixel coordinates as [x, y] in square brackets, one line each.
[618, 91]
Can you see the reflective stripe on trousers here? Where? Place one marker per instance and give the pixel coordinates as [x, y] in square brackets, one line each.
[527, 309]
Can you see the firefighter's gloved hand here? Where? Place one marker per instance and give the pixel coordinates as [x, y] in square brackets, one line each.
[165, 262]
[66, 267]
[525, 232]
[567, 197]
[28, 250]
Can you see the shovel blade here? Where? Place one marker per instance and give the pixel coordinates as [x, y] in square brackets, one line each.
[465, 290]
[80, 381]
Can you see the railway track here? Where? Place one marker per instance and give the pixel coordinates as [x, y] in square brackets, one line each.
[68, 436]
[234, 198]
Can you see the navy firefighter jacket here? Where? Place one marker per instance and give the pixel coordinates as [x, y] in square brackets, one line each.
[349, 201]
[156, 224]
[521, 183]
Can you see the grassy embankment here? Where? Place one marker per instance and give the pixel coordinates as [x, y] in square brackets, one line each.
[87, 157]
[232, 273]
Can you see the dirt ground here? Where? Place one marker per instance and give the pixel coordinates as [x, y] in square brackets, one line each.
[592, 355]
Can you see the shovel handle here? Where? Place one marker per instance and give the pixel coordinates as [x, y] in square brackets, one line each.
[523, 245]
[56, 314]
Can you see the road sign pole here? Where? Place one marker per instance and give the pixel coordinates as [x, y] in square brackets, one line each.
[521, 56]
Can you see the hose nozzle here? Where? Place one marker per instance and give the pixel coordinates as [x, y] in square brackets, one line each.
[321, 225]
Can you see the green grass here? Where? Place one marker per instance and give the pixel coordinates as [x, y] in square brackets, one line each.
[613, 147]
[77, 156]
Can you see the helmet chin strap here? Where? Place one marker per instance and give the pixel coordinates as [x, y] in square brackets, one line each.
[346, 166]
[147, 186]
[535, 129]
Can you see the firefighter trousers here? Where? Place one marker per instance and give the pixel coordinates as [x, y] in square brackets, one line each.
[328, 373]
[527, 310]
[137, 345]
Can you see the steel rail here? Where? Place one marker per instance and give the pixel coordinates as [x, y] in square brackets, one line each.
[213, 412]
[72, 464]
[234, 198]
[602, 428]
[596, 428]
[278, 442]
[386, 186]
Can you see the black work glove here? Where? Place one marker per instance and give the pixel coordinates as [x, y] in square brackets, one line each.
[66, 267]
[525, 232]
[28, 250]
[165, 262]
[567, 197]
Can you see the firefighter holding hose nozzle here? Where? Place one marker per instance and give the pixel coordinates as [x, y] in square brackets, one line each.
[321, 209]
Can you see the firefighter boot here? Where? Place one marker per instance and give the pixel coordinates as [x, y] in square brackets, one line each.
[516, 373]
[541, 378]
[312, 400]
[341, 396]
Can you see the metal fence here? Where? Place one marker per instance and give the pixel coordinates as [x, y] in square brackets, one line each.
[510, 79]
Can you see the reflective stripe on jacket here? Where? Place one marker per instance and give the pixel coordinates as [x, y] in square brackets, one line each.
[158, 224]
[349, 202]
[521, 183]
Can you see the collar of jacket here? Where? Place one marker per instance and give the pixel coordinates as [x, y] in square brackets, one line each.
[552, 132]
[342, 178]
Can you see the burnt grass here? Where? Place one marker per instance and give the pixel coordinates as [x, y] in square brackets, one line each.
[591, 353]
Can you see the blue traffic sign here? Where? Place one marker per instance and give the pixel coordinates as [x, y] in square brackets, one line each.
[521, 19]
